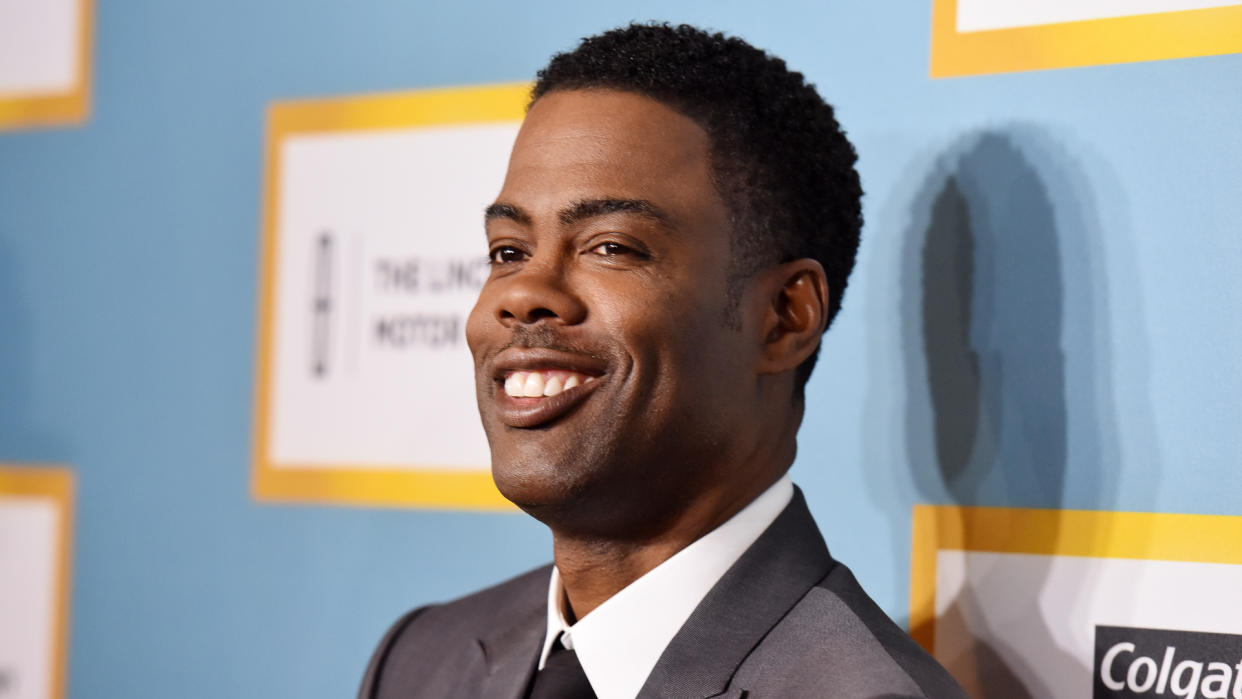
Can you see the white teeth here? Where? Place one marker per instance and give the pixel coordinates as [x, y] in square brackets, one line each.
[552, 387]
[534, 385]
[538, 384]
[516, 384]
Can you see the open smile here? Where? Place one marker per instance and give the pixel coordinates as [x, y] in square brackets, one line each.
[535, 387]
[547, 383]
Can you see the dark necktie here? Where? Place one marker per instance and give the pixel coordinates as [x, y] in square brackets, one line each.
[561, 677]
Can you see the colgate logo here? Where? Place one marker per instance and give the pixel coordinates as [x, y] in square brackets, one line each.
[1132, 662]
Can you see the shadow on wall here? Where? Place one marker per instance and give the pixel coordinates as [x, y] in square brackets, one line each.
[984, 315]
[989, 321]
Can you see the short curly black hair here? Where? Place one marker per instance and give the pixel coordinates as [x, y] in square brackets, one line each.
[779, 158]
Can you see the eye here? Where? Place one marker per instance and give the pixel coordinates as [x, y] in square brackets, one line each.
[504, 254]
[611, 249]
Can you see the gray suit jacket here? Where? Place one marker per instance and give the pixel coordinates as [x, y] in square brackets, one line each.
[785, 621]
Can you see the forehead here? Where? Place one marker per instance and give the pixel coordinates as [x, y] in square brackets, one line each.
[579, 144]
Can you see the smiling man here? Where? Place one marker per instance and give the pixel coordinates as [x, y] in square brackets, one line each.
[673, 236]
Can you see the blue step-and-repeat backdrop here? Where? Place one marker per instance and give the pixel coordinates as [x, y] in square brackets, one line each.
[238, 242]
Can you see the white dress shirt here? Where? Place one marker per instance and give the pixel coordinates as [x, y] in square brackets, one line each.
[619, 642]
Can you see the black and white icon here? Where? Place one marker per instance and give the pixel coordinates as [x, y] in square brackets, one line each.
[321, 306]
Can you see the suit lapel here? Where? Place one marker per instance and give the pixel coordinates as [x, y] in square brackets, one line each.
[762, 586]
[510, 655]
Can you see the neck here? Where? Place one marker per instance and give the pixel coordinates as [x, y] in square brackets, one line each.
[594, 571]
[594, 568]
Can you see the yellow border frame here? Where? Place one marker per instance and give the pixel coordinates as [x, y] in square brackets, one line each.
[1178, 34]
[1134, 535]
[57, 109]
[56, 484]
[361, 484]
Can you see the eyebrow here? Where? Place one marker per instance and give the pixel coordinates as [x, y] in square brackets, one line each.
[590, 208]
[582, 210]
[506, 211]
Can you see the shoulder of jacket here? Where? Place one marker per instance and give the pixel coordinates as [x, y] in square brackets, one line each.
[516, 596]
[930, 676]
[432, 634]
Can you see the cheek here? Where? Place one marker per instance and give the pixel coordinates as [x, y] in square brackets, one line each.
[672, 331]
[476, 324]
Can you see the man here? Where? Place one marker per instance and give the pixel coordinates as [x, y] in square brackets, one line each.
[674, 234]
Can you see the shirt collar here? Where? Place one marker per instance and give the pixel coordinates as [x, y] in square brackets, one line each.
[620, 642]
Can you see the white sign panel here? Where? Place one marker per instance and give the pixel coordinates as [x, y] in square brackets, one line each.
[382, 256]
[1080, 604]
[45, 62]
[38, 45]
[374, 255]
[34, 517]
[1038, 615]
[983, 15]
[973, 37]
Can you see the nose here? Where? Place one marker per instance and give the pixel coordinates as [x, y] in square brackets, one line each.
[540, 291]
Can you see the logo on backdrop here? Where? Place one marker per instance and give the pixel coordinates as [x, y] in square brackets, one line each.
[408, 278]
[1133, 662]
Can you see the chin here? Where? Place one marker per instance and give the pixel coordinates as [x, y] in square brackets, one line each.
[533, 483]
[554, 507]
[558, 494]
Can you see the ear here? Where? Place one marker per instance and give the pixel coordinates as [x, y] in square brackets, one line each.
[795, 316]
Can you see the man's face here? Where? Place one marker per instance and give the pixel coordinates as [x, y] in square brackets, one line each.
[611, 388]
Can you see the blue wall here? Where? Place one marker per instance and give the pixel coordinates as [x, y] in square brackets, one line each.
[1056, 252]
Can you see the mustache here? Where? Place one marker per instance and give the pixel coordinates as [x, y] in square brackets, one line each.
[542, 336]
